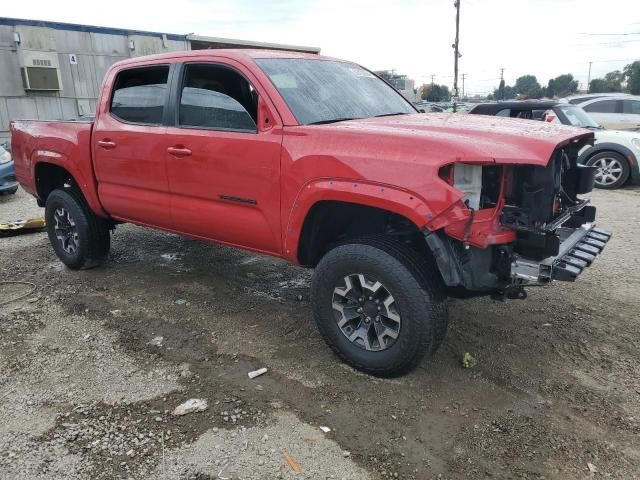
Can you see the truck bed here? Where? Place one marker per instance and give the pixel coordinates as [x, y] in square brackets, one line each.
[66, 144]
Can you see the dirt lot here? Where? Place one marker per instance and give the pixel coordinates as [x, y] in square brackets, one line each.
[93, 363]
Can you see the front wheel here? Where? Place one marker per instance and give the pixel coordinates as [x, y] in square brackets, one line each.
[79, 238]
[613, 169]
[379, 304]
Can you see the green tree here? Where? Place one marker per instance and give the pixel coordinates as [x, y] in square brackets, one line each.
[434, 93]
[508, 92]
[612, 82]
[632, 75]
[500, 95]
[561, 86]
[528, 87]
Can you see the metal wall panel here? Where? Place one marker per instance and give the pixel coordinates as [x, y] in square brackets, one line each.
[72, 42]
[110, 44]
[6, 36]
[68, 86]
[144, 45]
[10, 79]
[69, 108]
[48, 107]
[37, 38]
[4, 116]
[22, 108]
[177, 46]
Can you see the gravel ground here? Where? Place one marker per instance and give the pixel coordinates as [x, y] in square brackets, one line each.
[93, 364]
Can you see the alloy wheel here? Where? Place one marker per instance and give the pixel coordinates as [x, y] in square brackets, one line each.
[366, 312]
[66, 230]
[609, 170]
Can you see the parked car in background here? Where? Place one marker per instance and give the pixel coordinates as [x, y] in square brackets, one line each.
[428, 107]
[616, 153]
[614, 112]
[583, 97]
[8, 181]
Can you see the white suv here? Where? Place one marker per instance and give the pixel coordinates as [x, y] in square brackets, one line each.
[618, 112]
[614, 152]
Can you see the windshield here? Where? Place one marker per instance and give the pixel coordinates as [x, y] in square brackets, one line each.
[324, 91]
[578, 117]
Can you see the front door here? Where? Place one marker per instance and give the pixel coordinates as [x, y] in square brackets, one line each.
[223, 170]
[129, 157]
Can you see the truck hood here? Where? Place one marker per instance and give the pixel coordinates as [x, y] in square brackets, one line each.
[472, 138]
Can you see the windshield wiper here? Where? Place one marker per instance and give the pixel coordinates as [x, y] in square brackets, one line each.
[333, 120]
[391, 114]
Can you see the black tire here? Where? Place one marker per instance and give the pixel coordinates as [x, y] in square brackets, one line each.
[93, 238]
[414, 282]
[607, 157]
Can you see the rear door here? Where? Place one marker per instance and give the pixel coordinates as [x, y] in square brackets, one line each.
[223, 157]
[607, 112]
[128, 147]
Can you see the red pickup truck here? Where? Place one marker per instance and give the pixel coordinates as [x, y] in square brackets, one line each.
[320, 162]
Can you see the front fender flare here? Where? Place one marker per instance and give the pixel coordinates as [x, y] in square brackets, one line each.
[385, 197]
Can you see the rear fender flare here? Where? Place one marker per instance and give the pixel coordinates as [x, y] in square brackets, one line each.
[86, 185]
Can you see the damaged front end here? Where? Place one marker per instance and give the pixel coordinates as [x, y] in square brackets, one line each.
[517, 226]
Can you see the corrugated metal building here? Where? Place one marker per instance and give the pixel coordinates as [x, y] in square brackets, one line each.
[52, 70]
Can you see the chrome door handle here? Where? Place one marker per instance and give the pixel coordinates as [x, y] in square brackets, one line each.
[107, 144]
[179, 151]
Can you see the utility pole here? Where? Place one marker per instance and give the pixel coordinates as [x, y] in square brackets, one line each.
[501, 80]
[432, 77]
[463, 75]
[456, 55]
[589, 78]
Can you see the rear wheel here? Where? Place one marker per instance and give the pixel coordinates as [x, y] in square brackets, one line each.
[79, 238]
[613, 169]
[379, 304]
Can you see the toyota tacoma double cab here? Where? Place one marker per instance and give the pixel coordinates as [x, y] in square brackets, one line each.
[320, 162]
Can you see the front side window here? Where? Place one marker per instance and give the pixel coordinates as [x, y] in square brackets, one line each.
[325, 91]
[603, 106]
[219, 98]
[139, 95]
[577, 117]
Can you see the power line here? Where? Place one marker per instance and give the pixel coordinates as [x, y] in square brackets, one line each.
[627, 33]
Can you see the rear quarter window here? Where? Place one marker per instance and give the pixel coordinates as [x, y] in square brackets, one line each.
[139, 95]
[631, 106]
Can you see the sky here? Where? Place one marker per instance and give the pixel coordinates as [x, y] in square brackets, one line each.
[545, 38]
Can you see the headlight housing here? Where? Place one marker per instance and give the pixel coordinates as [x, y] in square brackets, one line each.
[5, 156]
[636, 143]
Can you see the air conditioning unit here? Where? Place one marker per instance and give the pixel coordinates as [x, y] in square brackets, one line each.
[40, 71]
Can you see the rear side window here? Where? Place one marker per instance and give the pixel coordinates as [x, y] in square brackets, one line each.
[219, 98]
[603, 106]
[139, 95]
[631, 106]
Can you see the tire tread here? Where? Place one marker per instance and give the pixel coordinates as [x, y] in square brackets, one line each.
[429, 291]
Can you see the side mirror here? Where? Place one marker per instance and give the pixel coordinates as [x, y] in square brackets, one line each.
[266, 120]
